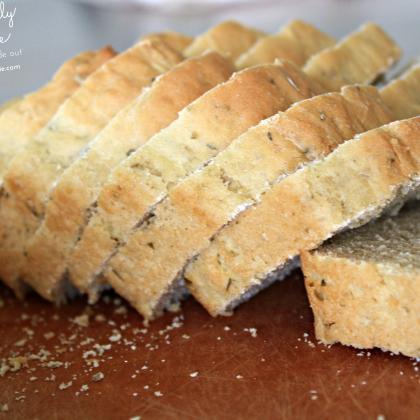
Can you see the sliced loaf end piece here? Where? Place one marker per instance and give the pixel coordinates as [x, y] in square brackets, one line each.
[364, 285]
[367, 53]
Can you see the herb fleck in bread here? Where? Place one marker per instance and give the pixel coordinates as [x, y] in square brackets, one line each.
[296, 42]
[402, 95]
[362, 56]
[24, 118]
[228, 38]
[202, 130]
[364, 285]
[76, 191]
[32, 173]
[150, 265]
[349, 187]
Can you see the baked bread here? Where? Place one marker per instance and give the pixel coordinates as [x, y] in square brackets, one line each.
[297, 42]
[348, 188]
[402, 95]
[112, 223]
[68, 209]
[202, 130]
[175, 40]
[229, 38]
[9, 104]
[24, 118]
[364, 285]
[151, 264]
[32, 173]
[363, 56]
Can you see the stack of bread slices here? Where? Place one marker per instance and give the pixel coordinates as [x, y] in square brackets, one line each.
[208, 165]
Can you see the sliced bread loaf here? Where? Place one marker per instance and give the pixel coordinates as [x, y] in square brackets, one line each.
[67, 211]
[32, 173]
[149, 268]
[364, 285]
[23, 119]
[202, 130]
[349, 187]
[402, 95]
[113, 225]
[229, 38]
[297, 42]
[362, 56]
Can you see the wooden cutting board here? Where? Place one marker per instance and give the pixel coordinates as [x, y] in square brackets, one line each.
[262, 363]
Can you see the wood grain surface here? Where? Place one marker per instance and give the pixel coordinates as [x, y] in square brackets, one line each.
[262, 363]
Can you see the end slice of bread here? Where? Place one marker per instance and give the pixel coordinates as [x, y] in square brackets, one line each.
[297, 42]
[229, 38]
[151, 264]
[23, 119]
[33, 172]
[359, 58]
[201, 131]
[73, 199]
[351, 186]
[402, 95]
[364, 285]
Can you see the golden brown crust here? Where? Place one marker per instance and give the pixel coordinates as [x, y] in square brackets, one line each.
[359, 58]
[360, 177]
[67, 211]
[296, 42]
[206, 201]
[32, 173]
[403, 94]
[363, 304]
[228, 38]
[175, 40]
[206, 127]
[23, 119]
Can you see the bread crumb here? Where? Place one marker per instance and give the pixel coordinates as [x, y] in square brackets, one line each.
[115, 337]
[98, 376]
[252, 331]
[239, 377]
[135, 418]
[84, 388]
[4, 408]
[194, 374]
[65, 385]
[81, 320]
[158, 394]
[49, 335]
[21, 343]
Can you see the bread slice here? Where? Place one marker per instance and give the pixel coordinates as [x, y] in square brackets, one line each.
[32, 173]
[177, 41]
[23, 119]
[202, 130]
[357, 57]
[229, 38]
[402, 95]
[297, 42]
[67, 211]
[364, 285]
[352, 185]
[149, 268]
